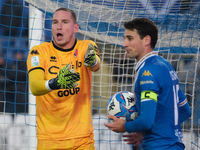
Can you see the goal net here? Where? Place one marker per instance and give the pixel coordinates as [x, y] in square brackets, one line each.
[102, 21]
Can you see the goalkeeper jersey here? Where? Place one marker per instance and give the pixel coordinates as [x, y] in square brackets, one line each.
[156, 74]
[65, 113]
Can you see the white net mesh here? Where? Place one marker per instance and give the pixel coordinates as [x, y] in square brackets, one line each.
[102, 21]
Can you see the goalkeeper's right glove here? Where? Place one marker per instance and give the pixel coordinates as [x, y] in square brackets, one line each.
[65, 80]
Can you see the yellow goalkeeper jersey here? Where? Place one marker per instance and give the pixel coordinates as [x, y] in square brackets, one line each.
[65, 113]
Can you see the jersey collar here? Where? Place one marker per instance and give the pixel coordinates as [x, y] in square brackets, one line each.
[64, 50]
[140, 62]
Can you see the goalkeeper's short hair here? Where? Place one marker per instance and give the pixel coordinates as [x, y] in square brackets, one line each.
[68, 10]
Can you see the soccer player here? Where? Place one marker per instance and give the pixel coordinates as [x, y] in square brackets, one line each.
[161, 104]
[60, 75]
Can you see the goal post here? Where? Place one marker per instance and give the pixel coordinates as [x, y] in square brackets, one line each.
[102, 22]
[35, 38]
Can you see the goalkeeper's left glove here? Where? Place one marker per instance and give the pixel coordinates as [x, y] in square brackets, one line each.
[90, 59]
[66, 79]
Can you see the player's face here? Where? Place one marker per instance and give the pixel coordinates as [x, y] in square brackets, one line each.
[64, 29]
[134, 45]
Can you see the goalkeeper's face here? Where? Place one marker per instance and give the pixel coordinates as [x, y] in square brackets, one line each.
[64, 29]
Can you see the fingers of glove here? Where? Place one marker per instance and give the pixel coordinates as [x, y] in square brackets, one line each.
[75, 84]
[90, 53]
[70, 86]
[90, 50]
[67, 80]
[64, 70]
[66, 84]
[72, 77]
[90, 57]
[90, 60]
[68, 72]
[93, 52]
[72, 70]
[68, 67]
[67, 77]
[76, 77]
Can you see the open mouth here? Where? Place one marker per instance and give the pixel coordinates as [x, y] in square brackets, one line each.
[59, 35]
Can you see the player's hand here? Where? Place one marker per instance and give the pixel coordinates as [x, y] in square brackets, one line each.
[133, 138]
[66, 79]
[90, 58]
[117, 124]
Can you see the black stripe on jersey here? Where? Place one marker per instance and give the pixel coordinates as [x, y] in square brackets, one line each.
[36, 68]
[64, 50]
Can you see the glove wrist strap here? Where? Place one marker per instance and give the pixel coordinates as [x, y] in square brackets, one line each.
[51, 84]
[47, 85]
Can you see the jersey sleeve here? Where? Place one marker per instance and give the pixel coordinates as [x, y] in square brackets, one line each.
[145, 120]
[182, 97]
[184, 107]
[35, 59]
[149, 88]
[36, 69]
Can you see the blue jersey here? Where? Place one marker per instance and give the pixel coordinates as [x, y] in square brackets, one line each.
[157, 90]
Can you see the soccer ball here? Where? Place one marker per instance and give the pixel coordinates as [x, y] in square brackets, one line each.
[122, 105]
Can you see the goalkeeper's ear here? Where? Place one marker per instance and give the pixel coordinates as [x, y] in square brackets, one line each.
[97, 66]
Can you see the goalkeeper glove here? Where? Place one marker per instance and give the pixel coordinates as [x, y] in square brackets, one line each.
[65, 80]
[90, 59]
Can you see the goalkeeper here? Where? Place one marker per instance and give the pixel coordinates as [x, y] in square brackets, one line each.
[60, 75]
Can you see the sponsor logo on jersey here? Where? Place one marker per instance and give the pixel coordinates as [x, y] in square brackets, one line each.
[55, 69]
[146, 82]
[68, 92]
[53, 58]
[35, 61]
[147, 73]
[77, 65]
[34, 52]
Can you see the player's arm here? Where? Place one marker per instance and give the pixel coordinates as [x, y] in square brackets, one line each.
[184, 107]
[147, 115]
[66, 79]
[37, 82]
[92, 57]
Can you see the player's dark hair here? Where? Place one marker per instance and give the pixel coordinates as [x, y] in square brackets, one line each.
[68, 10]
[144, 27]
